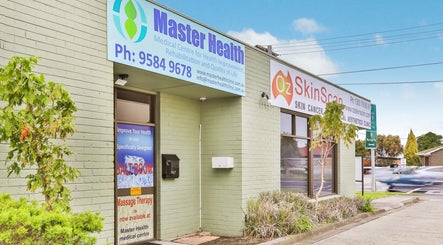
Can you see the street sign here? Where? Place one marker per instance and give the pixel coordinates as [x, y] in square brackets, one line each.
[371, 135]
[373, 118]
[371, 139]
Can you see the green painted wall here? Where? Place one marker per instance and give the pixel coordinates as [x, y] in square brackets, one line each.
[261, 130]
[247, 129]
[178, 199]
[346, 170]
[70, 39]
[222, 188]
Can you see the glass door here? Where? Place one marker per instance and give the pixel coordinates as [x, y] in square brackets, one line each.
[134, 167]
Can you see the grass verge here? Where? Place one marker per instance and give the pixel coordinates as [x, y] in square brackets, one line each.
[378, 194]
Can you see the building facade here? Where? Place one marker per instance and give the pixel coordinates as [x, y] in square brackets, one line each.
[432, 156]
[197, 124]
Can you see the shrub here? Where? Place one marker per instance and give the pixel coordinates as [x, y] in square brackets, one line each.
[366, 205]
[22, 222]
[276, 214]
[338, 209]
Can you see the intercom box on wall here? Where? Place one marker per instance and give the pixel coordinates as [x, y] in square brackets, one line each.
[170, 166]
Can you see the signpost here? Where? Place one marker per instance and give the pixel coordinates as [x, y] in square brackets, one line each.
[371, 135]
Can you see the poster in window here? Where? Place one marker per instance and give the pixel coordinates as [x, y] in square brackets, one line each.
[135, 218]
[135, 156]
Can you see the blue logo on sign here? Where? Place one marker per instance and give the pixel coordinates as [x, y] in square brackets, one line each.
[130, 20]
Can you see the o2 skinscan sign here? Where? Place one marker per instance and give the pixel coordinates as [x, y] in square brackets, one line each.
[143, 35]
[135, 172]
[297, 91]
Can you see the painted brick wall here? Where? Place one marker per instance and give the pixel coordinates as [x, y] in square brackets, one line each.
[247, 129]
[179, 198]
[346, 170]
[261, 130]
[70, 39]
[222, 137]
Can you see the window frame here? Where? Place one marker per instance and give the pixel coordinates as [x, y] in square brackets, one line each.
[308, 137]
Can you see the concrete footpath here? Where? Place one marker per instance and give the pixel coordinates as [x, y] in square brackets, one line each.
[398, 220]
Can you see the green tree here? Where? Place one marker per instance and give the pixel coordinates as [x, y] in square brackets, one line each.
[428, 141]
[360, 148]
[389, 146]
[411, 150]
[36, 117]
[328, 130]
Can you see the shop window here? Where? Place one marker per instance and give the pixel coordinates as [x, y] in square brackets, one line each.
[300, 168]
[294, 153]
[294, 165]
[134, 107]
[328, 171]
[286, 124]
[301, 128]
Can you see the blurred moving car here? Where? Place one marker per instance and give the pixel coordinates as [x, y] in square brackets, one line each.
[416, 176]
[402, 169]
[408, 179]
[434, 173]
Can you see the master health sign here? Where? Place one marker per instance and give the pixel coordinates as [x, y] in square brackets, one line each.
[144, 35]
[297, 91]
